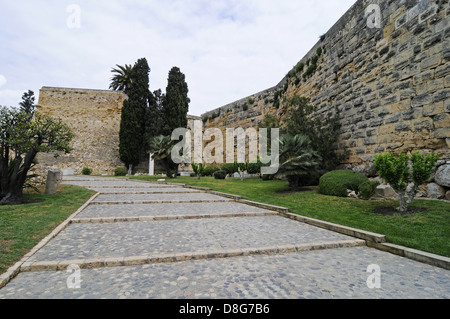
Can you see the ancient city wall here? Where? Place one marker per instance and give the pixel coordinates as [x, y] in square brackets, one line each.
[387, 71]
[94, 116]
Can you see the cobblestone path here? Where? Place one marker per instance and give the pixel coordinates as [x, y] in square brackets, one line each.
[142, 240]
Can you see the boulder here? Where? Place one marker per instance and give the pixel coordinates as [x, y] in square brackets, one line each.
[447, 195]
[442, 176]
[435, 191]
[385, 191]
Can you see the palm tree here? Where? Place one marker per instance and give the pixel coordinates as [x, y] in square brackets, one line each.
[122, 79]
[161, 150]
[297, 159]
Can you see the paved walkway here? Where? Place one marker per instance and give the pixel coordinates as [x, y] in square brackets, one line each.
[143, 240]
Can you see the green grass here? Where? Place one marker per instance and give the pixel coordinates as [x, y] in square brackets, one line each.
[427, 231]
[23, 226]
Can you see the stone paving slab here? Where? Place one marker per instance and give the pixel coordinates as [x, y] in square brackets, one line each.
[168, 209]
[118, 198]
[144, 190]
[113, 183]
[330, 274]
[84, 241]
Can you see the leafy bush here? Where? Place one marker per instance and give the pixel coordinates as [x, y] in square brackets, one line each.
[198, 169]
[229, 168]
[254, 168]
[399, 171]
[220, 175]
[210, 170]
[86, 171]
[120, 171]
[319, 51]
[297, 159]
[336, 183]
[323, 130]
[367, 189]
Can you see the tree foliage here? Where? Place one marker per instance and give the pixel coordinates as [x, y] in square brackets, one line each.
[161, 148]
[176, 102]
[297, 159]
[22, 136]
[122, 79]
[132, 126]
[322, 130]
[399, 171]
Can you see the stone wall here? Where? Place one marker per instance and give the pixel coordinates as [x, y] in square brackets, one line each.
[94, 116]
[390, 78]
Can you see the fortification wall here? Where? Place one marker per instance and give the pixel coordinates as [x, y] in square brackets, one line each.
[94, 116]
[391, 82]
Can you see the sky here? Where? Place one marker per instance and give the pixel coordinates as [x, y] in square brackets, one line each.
[227, 49]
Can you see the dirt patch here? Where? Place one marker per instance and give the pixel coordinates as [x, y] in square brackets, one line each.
[391, 211]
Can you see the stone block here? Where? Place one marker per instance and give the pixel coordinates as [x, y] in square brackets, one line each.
[442, 95]
[442, 120]
[421, 100]
[435, 191]
[442, 176]
[54, 178]
[433, 109]
[385, 191]
[430, 62]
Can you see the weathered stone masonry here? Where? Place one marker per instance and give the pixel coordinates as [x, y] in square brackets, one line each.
[94, 116]
[391, 84]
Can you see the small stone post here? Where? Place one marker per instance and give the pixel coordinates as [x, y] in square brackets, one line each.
[53, 180]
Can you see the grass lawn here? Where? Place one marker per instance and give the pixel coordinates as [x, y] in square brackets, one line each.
[22, 227]
[427, 231]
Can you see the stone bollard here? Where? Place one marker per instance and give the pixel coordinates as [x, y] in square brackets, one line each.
[53, 180]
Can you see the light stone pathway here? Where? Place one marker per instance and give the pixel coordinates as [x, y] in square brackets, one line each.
[146, 241]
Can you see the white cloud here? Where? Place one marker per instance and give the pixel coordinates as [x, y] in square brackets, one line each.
[10, 97]
[228, 49]
[2, 80]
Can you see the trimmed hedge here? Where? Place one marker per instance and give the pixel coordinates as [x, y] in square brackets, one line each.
[367, 189]
[86, 171]
[210, 170]
[336, 183]
[220, 175]
[120, 171]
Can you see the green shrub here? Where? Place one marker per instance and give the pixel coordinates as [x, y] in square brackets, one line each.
[367, 189]
[210, 170]
[319, 51]
[120, 171]
[399, 171]
[229, 168]
[86, 171]
[336, 183]
[220, 175]
[254, 168]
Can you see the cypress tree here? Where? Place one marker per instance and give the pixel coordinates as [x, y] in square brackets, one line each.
[176, 102]
[132, 126]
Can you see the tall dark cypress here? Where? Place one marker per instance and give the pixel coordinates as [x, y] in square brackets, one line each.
[176, 102]
[132, 126]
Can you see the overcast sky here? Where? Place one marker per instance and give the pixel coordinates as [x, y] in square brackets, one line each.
[228, 49]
